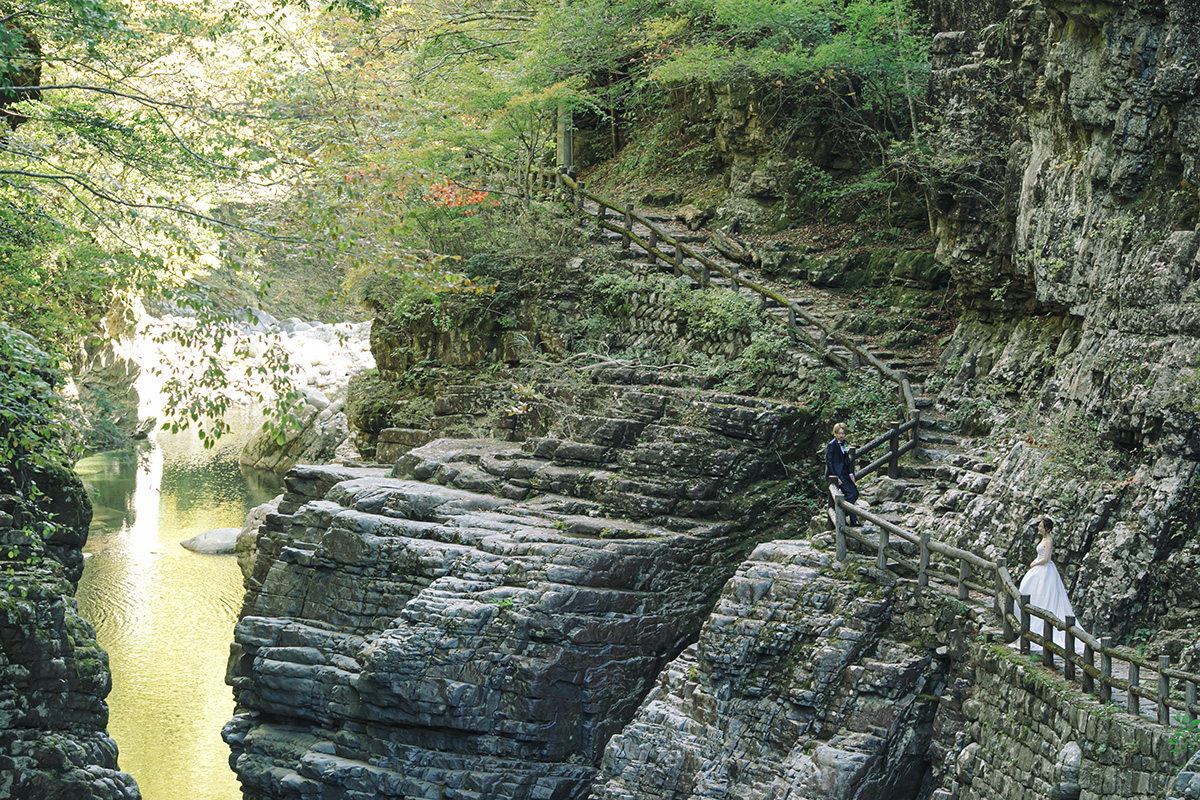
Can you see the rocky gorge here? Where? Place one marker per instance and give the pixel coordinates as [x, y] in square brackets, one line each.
[605, 582]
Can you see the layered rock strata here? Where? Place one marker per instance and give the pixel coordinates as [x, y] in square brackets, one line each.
[53, 675]
[487, 627]
[406, 638]
[810, 679]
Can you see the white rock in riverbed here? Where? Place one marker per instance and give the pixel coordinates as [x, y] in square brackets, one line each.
[217, 541]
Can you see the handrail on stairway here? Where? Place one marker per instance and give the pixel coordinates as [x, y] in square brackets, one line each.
[572, 194]
[1078, 667]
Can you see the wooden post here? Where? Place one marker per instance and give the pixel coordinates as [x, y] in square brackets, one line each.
[881, 561]
[1048, 637]
[762, 302]
[1105, 670]
[894, 443]
[1089, 663]
[1164, 690]
[1024, 625]
[579, 190]
[653, 244]
[625, 236]
[1009, 633]
[964, 572]
[857, 352]
[1131, 701]
[923, 574]
[997, 603]
[1190, 699]
[839, 516]
[602, 211]
[1069, 647]
[704, 274]
[678, 266]
[913, 434]
[792, 323]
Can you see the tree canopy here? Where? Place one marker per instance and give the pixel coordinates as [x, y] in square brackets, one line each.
[149, 139]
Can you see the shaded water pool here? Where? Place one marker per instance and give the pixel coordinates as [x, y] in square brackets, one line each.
[165, 614]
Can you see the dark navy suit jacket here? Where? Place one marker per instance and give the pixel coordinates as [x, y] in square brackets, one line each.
[838, 463]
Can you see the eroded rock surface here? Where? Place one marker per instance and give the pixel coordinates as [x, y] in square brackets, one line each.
[408, 636]
[54, 677]
[806, 682]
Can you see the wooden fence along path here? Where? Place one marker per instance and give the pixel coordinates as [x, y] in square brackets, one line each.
[666, 250]
[1101, 669]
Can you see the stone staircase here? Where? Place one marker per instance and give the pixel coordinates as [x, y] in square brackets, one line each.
[949, 471]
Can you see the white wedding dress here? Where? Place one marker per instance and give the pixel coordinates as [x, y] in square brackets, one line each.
[1045, 588]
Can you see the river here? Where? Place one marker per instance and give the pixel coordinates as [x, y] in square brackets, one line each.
[165, 614]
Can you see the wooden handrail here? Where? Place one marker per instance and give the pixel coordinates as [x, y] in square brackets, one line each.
[1079, 668]
[796, 313]
[1005, 592]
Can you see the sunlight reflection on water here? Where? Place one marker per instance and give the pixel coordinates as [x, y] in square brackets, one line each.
[165, 614]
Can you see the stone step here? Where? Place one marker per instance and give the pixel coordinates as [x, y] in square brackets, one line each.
[608, 432]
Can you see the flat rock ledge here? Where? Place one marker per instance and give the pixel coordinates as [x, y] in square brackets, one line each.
[404, 639]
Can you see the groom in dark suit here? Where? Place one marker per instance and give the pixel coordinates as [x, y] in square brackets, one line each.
[839, 466]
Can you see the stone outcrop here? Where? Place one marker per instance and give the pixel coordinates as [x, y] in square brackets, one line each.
[53, 742]
[403, 637]
[488, 615]
[806, 681]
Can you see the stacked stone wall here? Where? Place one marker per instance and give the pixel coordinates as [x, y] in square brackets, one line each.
[1024, 732]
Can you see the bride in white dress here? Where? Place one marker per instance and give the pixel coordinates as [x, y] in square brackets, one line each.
[1045, 588]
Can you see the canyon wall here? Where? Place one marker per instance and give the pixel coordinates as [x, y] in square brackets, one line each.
[53, 676]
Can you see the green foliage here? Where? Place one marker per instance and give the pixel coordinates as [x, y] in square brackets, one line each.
[1078, 448]
[217, 371]
[31, 411]
[868, 405]
[1185, 739]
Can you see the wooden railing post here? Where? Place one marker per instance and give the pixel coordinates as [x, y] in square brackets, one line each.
[1047, 638]
[626, 235]
[1164, 690]
[1131, 700]
[677, 269]
[997, 602]
[1069, 648]
[1009, 633]
[1190, 698]
[894, 461]
[1106, 670]
[1024, 625]
[602, 212]
[1089, 663]
[653, 244]
[791, 326]
[881, 561]
[923, 574]
[964, 572]
[839, 524]
[704, 275]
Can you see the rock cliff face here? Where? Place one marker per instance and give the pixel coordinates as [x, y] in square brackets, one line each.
[1074, 244]
[55, 677]
[806, 681]
[488, 633]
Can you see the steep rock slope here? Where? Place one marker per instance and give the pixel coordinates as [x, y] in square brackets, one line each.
[1074, 243]
[53, 742]
[489, 626]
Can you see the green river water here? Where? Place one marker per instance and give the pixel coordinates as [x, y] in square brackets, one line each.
[165, 614]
